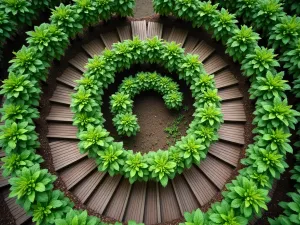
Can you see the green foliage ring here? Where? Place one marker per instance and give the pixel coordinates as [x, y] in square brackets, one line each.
[111, 156]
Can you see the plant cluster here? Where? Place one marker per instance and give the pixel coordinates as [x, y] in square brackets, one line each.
[121, 102]
[31, 185]
[247, 195]
[161, 165]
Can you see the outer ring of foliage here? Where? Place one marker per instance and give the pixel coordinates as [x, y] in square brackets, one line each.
[189, 150]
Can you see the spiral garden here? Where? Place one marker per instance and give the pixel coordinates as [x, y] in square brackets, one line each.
[69, 112]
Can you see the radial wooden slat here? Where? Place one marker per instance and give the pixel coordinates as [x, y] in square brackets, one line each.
[103, 193]
[69, 77]
[169, 205]
[152, 205]
[190, 44]
[227, 152]
[62, 94]
[202, 188]
[109, 38]
[216, 170]
[166, 32]
[185, 197]
[79, 61]
[232, 133]
[214, 64]
[58, 130]
[124, 32]
[60, 113]
[117, 205]
[86, 187]
[75, 173]
[230, 93]
[178, 35]
[154, 29]
[17, 211]
[3, 180]
[139, 29]
[2, 153]
[203, 50]
[233, 111]
[94, 47]
[64, 153]
[225, 78]
[136, 202]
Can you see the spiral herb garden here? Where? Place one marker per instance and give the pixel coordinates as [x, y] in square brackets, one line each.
[246, 196]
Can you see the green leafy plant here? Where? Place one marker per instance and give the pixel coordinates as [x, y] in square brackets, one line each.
[172, 55]
[195, 218]
[82, 101]
[31, 186]
[205, 15]
[291, 59]
[173, 100]
[7, 27]
[18, 112]
[190, 68]
[120, 103]
[77, 218]
[209, 115]
[242, 42]
[136, 167]
[163, 7]
[20, 9]
[185, 9]
[202, 83]
[246, 9]
[126, 124]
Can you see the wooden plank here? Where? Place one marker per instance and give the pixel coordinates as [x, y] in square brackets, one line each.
[103, 193]
[185, 197]
[152, 205]
[79, 61]
[85, 188]
[169, 206]
[61, 130]
[69, 77]
[136, 203]
[230, 93]
[166, 33]
[227, 152]
[232, 133]
[233, 111]
[64, 153]
[94, 47]
[203, 50]
[60, 112]
[154, 29]
[110, 38]
[124, 32]
[190, 44]
[178, 35]
[75, 173]
[17, 211]
[214, 64]
[139, 29]
[62, 94]
[216, 170]
[225, 78]
[117, 205]
[202, 188]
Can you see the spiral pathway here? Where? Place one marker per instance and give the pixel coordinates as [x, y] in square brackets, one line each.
[144, 202]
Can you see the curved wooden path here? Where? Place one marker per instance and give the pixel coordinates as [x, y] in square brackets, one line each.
[144, 202]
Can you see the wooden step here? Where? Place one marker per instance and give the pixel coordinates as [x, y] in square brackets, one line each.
[85, 188]
[203, 50]
[94, 47]
[104, 193]
[60, 113]
[216, 170]
[62, 130]
[75, 173]
[79, 61]
[69, 76]
[230, 93]
[64, 153]
[166, 33]
[225, 78]
[62, 94]
[202, 188]
[190, 44]
[214, 63]
[185, 197]
[232, 133]
[152, 205]
[139, 29]
[227, 152]
[16, 211]
[178, 35]
[110, 38]
[124, 32]
[233, 111]
[117, 205]
[154, 29]
[136, 202]
[169, 205]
